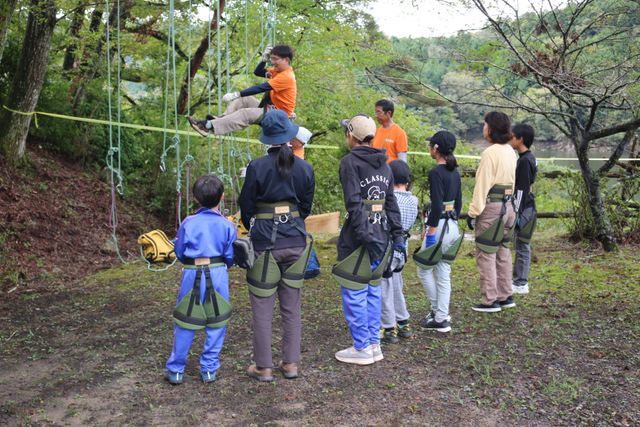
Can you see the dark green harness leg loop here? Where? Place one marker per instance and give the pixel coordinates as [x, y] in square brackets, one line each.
[213, 313]
[264, 276]
[490, 240]
[293, 276]
[526, 231]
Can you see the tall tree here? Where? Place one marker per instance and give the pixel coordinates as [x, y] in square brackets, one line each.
[28, 79]
[6, 11]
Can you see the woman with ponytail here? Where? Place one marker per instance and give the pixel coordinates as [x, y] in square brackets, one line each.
[492, 216]
[275, 199]
[446, 203]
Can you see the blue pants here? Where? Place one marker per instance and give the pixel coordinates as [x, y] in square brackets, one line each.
[209, 360]
[362, 310]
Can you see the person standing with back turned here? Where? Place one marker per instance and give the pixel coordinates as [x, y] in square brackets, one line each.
[492, 216]
[274, 201]
[373, 222]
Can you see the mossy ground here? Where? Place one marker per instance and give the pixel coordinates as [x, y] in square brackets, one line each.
[92, 352]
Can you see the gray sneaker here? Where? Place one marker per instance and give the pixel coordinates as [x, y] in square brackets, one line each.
[377, 352]
[521, 289]
[356, 357]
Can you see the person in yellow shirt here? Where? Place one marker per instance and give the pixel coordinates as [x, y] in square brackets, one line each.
[244, 108]
[390, 136]
[492, 203]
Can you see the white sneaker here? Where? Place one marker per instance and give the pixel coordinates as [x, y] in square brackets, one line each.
[521, 289]
[377, 352]
[356, 357]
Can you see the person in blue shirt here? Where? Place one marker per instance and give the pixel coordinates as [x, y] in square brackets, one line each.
[204, 240]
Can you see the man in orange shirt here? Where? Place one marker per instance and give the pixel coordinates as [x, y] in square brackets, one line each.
[300, 141]
[390, 136]
[244, 109]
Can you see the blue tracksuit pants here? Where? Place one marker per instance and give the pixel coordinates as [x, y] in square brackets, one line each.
[362, 310]
[209, 360]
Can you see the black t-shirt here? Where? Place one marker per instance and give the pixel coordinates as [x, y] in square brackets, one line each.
[444, 186]
[526, 171]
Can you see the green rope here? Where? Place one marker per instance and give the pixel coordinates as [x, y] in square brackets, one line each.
[176, 139]
[208, 86]
[114, 172]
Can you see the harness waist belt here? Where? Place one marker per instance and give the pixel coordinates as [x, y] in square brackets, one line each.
[448, 210]
[374, 206]
[271, 210]
[500, 192]
[203, 261]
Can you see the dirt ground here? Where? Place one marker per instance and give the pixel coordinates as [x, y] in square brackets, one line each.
[87, 345]
[92, 353]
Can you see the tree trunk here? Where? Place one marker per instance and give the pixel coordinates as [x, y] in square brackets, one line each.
[196, 61]
[96, 53]
[28, 79]
[604, 231]
[6, 11]
[70, 62]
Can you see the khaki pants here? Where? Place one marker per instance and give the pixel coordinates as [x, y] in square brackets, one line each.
[495, 269]
[240, 113]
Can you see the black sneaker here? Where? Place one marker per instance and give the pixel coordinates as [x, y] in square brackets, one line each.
[508, 303]
[444, 326]
[390, 336]
[494, 307]
[404, 331]
[431, 316]
[199, 126]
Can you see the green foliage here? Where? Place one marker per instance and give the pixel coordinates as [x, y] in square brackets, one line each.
[621, 202]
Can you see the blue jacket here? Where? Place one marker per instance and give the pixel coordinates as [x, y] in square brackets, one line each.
[206, 234]
[263, 183]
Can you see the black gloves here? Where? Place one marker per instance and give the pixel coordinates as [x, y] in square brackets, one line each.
[471, 222]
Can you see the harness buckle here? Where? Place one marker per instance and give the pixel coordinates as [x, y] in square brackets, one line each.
[377, 218]
[285, 220]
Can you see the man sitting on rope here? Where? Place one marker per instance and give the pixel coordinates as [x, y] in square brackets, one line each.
[244, 109]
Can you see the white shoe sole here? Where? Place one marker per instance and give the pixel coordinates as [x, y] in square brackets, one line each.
[355, 361]
[442, 330]
[487, 310]
[517, 290]
[378, 358]
[513, 304]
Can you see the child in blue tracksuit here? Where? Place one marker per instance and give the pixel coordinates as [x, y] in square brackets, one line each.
[366, 179]
[205, 239]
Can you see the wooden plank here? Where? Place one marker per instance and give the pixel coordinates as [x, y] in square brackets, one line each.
[328, 223]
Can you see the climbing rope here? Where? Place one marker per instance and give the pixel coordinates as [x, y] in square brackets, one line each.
[115, 171]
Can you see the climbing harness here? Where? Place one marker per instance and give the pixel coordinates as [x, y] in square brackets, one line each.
[526, 229]
[430, 256]
[354, 271]
[490, 240]
[265, 274]
[213, 311]
[156, 247]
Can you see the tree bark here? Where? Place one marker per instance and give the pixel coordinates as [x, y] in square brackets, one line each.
[6, 11]
[70, 62]
[28, 79]
[196, 62]
[603, 229]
